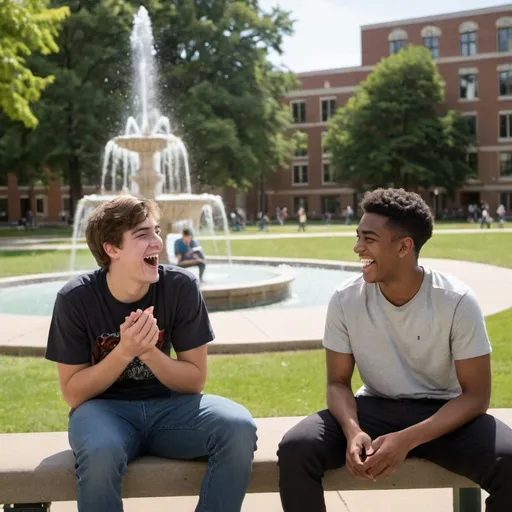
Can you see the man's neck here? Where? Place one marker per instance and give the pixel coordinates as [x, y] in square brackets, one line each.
[405, 288]
[123, 290]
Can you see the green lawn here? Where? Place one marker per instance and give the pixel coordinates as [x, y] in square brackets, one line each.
[268, 384]
[492, 248]
[283, 384]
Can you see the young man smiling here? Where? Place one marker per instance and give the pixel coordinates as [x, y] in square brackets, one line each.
[419, 340]
[111, 335]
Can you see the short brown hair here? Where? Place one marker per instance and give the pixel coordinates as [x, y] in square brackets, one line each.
[110, 220]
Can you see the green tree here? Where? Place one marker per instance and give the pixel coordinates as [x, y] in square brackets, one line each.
[220, 89]
[393, 131]
[25, 27]
[87, 103]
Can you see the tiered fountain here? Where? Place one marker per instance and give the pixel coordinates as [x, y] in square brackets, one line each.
[148, 160]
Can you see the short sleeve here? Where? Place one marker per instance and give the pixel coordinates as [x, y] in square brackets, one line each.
[191, 327]
[177, 247]
[336, 337]
[469, 335]
[68, 342]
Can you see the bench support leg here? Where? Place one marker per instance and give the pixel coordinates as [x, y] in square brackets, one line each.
[28, 507]
[467, 500]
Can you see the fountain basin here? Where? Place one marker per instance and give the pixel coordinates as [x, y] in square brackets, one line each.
[143, 144]
[248, 283]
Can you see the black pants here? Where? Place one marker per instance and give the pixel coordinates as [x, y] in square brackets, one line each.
[480, 450]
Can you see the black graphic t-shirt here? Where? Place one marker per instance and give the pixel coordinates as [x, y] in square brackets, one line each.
[87, 318]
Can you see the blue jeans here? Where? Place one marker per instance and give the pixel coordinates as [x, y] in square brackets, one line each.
[106, 435]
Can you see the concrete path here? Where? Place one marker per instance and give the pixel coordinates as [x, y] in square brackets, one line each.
[267, 329]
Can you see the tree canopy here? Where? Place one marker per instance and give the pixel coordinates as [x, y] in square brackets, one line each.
[393, 131]
[25, 27]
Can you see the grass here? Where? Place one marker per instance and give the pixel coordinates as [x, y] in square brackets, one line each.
[61, 232]
[491, 248]
[284, 384]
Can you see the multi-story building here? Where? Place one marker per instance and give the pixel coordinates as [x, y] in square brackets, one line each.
[473, 50]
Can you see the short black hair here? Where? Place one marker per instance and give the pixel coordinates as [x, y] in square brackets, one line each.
[187, 232]
[407, 212]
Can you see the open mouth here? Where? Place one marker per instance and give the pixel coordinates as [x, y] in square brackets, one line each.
[152, 261]
[366, 263]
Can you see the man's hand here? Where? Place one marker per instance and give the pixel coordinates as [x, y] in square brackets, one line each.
[389, 453]
[138, 333]
[359, 448]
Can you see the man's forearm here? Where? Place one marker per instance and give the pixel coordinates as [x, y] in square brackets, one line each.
[180, 376]
[449, 417]
[342, 405]
[95, 379]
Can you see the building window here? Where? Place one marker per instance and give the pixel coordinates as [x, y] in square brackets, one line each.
[298, 111]
[325, 149]
[300, 174]
[506, 83]
[505, 126]
[39, 206]
[432, 44]
[330, 204]
[468, 44]
[506, 200]
[300, 202]
[505, 39]
[469, 86]
[4, 209]
[506, 164]
[473, 164]
[328, 174]
[396, 46]
[328, 109]
[471, 122]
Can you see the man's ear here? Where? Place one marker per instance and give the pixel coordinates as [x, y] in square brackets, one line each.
[406, 246]
[111, 250]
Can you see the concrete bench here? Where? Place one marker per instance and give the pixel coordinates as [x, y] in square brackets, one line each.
[39, 469]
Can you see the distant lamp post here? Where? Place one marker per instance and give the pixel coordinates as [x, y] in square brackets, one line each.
[436, 194]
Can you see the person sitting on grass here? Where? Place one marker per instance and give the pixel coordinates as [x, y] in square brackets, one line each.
[188, 253]
[419, 340]
[111, 335]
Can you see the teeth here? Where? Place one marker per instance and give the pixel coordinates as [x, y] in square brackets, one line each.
[365, 262]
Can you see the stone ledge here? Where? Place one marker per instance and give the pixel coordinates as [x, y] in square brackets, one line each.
[40, 468]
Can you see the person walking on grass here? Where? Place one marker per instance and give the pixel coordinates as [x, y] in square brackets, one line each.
[419, 340]
[111, 334]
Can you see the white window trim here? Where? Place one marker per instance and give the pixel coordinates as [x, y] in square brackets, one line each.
[326, 162]
[468, 71]
[399, 34]
[504, 67]
[431, 31]
[468, 26]
[504, 22]
[291, 109]
[500, 177]
[465, 72]
[293, 176]
[326, 98]
[504, 113]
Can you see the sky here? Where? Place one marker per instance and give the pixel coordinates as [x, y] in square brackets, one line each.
[327, 32]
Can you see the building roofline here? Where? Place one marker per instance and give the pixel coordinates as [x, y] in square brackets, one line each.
[440, 17]
[333, 71]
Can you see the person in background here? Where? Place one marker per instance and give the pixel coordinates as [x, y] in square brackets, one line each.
[302, 219]
[500, 212]
[188, 253]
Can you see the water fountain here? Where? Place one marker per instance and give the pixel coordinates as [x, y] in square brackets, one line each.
[149, 160]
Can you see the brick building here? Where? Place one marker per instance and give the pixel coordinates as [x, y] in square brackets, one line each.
[474, 53]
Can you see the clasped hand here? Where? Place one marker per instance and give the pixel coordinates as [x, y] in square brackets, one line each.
[375, 460]
[138, 333]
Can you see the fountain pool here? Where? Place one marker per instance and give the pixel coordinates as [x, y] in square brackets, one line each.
[226, 287]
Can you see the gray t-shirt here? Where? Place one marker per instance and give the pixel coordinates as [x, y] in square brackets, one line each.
[407, 351]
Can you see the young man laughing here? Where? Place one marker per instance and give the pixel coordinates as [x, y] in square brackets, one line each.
[419, 340]
[111, 334]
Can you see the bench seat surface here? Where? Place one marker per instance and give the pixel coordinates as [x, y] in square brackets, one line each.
[39, 467]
